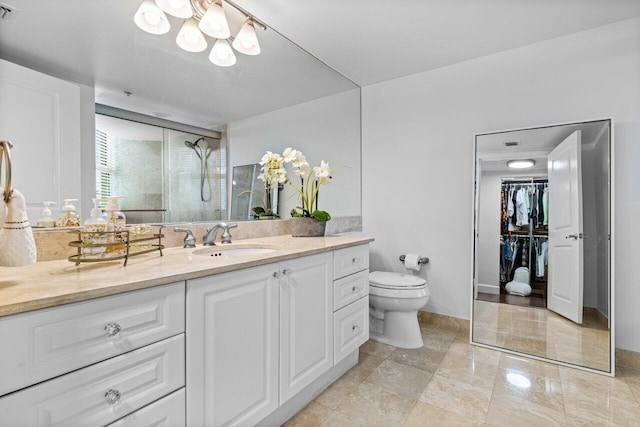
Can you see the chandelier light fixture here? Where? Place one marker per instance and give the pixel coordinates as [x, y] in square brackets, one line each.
[201, 17]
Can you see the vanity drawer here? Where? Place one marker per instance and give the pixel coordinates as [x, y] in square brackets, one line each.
[82, 398]
[166, 412]
[41, 344]
[350, 288]
[350, 328]
[350, 260]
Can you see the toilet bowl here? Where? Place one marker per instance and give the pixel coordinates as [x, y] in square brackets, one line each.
[394, 301]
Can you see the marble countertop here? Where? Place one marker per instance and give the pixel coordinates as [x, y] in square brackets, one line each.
[52, 283]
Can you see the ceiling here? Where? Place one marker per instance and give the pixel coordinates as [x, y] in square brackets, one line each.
[533, 143]
[96, 43]
[370, 41]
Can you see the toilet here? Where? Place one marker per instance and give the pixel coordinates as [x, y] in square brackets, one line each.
[394, 301]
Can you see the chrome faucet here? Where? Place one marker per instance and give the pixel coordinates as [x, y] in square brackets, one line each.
[209, 239]
[189, 238]
[226, 236]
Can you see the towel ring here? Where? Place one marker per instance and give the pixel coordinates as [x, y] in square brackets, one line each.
[5, 147]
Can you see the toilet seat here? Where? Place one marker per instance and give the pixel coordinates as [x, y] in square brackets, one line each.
[397, 285]
[388, 280]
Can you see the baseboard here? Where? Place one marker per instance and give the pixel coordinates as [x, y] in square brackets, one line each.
[627, 359]
[489, 289]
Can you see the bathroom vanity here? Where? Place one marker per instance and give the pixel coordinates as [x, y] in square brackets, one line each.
[183, 339]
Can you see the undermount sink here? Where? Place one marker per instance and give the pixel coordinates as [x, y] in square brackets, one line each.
[223, 252]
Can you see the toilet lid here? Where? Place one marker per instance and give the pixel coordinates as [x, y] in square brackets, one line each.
[385, 279]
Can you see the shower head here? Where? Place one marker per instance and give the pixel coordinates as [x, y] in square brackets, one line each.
[193, 144]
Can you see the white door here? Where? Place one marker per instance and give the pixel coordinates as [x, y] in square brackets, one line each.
[232, 350]
[565, 279]
[306, 322]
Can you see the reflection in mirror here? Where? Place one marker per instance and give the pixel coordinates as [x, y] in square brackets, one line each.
[542, 283]
[248, 199]
[164, 174]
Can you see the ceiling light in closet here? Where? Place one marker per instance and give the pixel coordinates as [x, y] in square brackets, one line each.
[202, 16]
[521, 163]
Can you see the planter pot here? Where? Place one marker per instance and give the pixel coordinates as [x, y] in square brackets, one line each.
[307, 227]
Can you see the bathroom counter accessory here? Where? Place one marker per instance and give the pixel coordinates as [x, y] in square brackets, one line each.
[123, 246]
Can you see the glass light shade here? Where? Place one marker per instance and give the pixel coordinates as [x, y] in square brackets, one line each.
[222, 54]
[521, 164]
[177, 8]
[214, 22]
[190, 38]
[151, 19]
[246, 41]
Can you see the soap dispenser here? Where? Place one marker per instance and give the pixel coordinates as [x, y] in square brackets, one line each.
[46, 220]
[116, 221]
[95, 228]
[69, 217]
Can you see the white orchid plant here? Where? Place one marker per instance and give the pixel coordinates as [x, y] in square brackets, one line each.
[273, 174]
[311, 179]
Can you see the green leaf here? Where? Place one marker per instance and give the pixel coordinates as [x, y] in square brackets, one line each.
[321, 215]
[258, 210]
[295, 213]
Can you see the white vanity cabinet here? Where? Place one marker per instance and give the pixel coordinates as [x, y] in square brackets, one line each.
[306, 322]
[232, 347]
[137, 338]
[351, 300]
[247, 326]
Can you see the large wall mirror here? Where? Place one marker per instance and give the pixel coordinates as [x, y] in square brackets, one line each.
[542, 283]
[283, 97]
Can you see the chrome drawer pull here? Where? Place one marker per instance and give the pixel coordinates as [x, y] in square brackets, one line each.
[112, 329]
[354, 289]
[355, 328]
[112, 397]
[354, 260]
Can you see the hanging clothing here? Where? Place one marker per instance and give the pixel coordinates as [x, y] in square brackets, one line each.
[522, 212]
[540, 190]
[534, 207]
[545, 206]
[510, 209]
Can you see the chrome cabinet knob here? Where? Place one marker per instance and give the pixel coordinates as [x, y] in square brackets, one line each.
[354, 289]
[112, 396]
[112, 329]
[287, 272]
[355, 328]
[276, 274]
[354, 260]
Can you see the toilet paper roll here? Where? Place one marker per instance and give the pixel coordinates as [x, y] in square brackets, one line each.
[411, 262]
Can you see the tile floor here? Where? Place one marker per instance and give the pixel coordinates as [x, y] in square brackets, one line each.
[542, 332]
[448, 382]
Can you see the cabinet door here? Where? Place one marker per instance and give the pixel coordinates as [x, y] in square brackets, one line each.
[232, 350]
[306, 322]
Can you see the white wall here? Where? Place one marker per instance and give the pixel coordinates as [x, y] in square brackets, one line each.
[488, 255]
[418, 149]
[323, 129]
[49, 121]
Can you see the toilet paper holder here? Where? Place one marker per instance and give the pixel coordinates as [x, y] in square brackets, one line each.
[422, 260]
